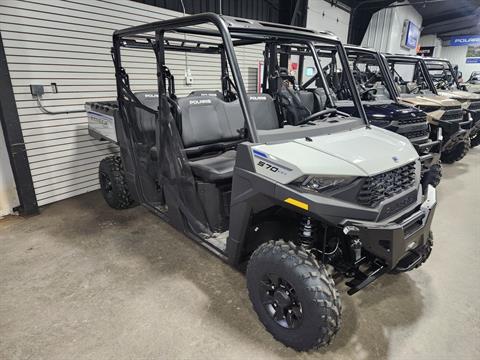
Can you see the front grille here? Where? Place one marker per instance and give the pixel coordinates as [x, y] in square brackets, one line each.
[410, 120]
[377, 188]
[474, 106]
[453, 115]
[416, 134]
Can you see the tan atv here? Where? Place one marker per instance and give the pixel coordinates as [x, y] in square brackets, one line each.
[416, 88]
[445, 80]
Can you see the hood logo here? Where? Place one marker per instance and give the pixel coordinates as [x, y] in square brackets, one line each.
[395, 158]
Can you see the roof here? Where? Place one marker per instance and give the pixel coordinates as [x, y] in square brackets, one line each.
[234, 25]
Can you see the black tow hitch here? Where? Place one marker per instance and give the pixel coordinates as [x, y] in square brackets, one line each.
[362, 279]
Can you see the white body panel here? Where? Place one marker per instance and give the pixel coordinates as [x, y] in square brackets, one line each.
[360, 152]
[102, 124]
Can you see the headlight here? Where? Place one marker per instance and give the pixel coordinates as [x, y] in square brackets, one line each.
[319, 183]
[429, 108]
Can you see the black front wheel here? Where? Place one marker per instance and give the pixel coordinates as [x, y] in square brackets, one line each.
[293, 295]
[456, 152]
[433, 175]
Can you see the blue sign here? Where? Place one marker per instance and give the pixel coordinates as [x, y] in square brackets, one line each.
[473, 61]
[464, 40]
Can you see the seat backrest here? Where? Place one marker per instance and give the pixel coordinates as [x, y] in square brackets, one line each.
[206, 120]
[292, 105]
[382, 92]
[145, 119]
[308, 99]
[263, 111]
[321, 98]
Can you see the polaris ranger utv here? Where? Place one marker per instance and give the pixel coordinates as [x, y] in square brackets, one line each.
[445, 80]
[379, 99]
[415, 87]
[291, 202]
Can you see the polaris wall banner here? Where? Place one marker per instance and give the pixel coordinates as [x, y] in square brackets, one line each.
[426, 51]
[465, 40]
[473, 55]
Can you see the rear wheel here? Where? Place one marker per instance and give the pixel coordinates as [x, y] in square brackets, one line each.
[112, 183]
[433, 175]
[457, 152]
[293, 295]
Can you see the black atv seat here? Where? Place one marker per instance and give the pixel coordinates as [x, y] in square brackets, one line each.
[211, 128]
[210, 124]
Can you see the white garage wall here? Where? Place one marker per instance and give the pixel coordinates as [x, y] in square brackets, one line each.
[8, 192]
[68, 42]
[457, 56]
[385, 29]
[322, 15]
[432, 40]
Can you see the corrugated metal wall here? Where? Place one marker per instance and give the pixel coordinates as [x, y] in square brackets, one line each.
[68, 43]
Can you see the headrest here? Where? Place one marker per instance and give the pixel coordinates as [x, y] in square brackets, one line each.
[148, 98]
[283, 71]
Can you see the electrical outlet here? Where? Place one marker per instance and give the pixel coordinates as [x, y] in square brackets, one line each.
[54, 88]
[188, 77]
[37, 90]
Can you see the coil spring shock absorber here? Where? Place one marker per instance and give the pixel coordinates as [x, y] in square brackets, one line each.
[307, 233]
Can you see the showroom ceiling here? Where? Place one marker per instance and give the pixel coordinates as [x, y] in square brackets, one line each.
[442, 17]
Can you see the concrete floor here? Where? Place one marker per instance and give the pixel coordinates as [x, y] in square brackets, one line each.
[82, 281]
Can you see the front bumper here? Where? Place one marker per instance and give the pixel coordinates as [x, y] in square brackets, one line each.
[391, 242]
[429, 151]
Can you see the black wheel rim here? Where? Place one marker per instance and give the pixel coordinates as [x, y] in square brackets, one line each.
[106, 183]
[280, 301]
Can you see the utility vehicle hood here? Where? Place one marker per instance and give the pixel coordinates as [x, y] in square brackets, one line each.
[390, 112]
[432, 100]
[382, 113]
[459, 95]
[473, 87]
[359, 152]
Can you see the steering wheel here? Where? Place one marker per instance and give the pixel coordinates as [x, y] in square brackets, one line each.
[321, 114]
[415, 90]
[368, 93]
[442, 84]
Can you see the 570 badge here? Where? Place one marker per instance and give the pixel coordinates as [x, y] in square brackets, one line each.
[267, 166]
[272, 168]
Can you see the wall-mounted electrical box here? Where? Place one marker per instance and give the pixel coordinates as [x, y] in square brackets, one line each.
[37, 90]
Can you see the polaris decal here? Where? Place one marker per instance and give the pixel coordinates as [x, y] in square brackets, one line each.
[257, 98]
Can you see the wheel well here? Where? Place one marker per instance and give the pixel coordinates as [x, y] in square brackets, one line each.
[274, 223]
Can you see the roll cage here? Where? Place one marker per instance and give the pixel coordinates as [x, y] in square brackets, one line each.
[420, 64]
[233, 32]
[380, 59]
[445, 64]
